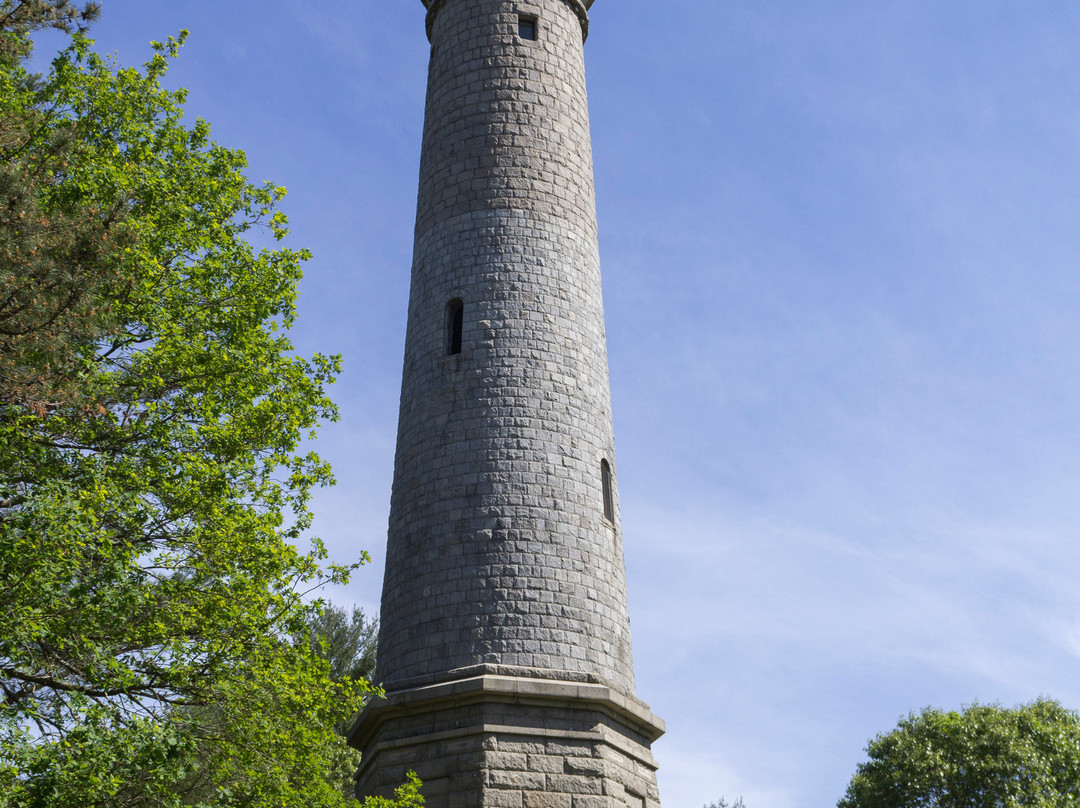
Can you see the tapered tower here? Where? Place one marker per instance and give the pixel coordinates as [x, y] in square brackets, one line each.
[505, 639]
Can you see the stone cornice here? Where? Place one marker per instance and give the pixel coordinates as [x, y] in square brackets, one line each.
[581, 8]
[628, 711]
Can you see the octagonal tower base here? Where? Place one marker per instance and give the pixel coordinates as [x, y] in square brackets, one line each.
[493, 738]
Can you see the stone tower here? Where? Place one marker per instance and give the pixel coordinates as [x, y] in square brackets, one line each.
[505, 640]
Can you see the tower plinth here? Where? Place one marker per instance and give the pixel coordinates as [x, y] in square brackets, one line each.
[504, 645]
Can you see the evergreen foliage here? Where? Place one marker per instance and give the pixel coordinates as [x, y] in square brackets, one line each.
[346, 640]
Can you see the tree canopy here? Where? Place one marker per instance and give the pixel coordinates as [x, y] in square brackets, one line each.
[152, 490]
[985, 756]
[347, 640]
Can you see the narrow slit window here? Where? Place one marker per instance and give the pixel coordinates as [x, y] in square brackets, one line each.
[526, 27]
[455, 320]
[605, 482]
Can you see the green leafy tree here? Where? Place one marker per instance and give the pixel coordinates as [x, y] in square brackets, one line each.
[346, 640]
[151, 489]
[407, 795]
[983, 757]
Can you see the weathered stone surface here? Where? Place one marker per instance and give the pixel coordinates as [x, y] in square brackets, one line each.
[505, 636]
[483, 736]
[506, 761]
[501, 799]
[588, 801]
[574, 784]
[547, 763]
[587, 766]
[498, 550]
[538, 799]
[520, 780]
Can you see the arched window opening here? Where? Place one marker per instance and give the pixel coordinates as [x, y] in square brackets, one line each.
[609, 500]
[455, 319]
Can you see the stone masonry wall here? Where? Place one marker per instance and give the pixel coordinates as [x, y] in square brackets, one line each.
[519, 771]
[498, 548]
[495, 754]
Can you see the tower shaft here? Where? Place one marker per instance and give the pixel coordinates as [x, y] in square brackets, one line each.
[505, 640]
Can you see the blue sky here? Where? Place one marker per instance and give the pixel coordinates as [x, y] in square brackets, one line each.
[840, 244]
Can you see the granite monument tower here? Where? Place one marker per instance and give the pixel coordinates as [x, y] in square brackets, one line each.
[504, 646]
